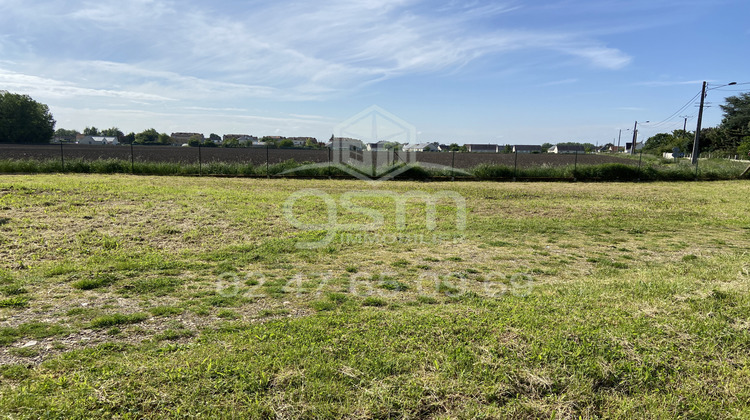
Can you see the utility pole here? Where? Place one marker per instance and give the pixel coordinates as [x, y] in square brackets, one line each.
[684, 125]
[696, 149]
[635, 137]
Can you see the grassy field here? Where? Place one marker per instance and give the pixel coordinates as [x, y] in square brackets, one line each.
[169, 297]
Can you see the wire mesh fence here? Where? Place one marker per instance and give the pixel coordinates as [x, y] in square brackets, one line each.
[262, 161]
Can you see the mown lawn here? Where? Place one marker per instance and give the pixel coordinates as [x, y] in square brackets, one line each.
[157, 297]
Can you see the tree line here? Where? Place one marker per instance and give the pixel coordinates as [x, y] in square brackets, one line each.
[731, 137]
[24, 120]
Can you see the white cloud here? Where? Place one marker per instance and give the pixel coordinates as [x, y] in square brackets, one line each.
[284, 49]
[54, 88]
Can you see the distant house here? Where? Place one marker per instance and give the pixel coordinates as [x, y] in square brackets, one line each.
[628, 147]
[99, 140]
[226, 137]
[247, 139]
[525, 148]
[483, 148]
[345, 149]
[182, 138]
[302, 141]
[563, 149]
[444, 148]
[375, 147]
[421, 147]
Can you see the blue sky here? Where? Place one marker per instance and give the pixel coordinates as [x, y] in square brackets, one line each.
[518, 72]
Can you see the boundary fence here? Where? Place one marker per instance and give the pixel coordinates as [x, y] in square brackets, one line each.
[266, 162]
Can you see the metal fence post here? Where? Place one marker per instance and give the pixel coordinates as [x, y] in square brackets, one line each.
[200, 161]
[453, 165]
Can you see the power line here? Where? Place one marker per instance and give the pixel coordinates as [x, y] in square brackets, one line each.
[682, 108]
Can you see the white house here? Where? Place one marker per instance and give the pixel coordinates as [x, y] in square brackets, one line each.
[483, 148]
[629, 146]
[346, 150]
[99, 140]
[564, 149]
[421, 147]
[244, 139]
[374, 147]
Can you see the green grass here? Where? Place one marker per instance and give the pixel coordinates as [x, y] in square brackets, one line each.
[189, 297]
[651, 168]
[117, 319]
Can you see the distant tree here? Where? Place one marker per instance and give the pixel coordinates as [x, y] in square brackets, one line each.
[546, 146]
[286, 143]
[736, 113]
[24, 120]
[508, 149]
[231, 142]
[744, 148]
[666, 142]
[269, 141]
[164, 138]
[91, 131]
[463, 148]
[454, 147]
[150, 136]
[112, 132]
[209, 143]
[67, 135]
[128, 139]
[311, 143]
[194, 142]
[214, 137]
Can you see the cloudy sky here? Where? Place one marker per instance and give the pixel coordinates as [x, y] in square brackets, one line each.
[465, 71]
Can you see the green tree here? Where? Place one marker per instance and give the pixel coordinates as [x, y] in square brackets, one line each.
[744, 148]
[150, 136]
[736, 113]
[454, 147]
[269, 141]
[214, 137]
[546, 146]
[112, 132]
[508, 149]
[164, 138]
[66, 135]
[91, 131]
[24, 120]
[194, 142]
[231, 142]
[286, 143]
[128, 139]
[682, 140]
